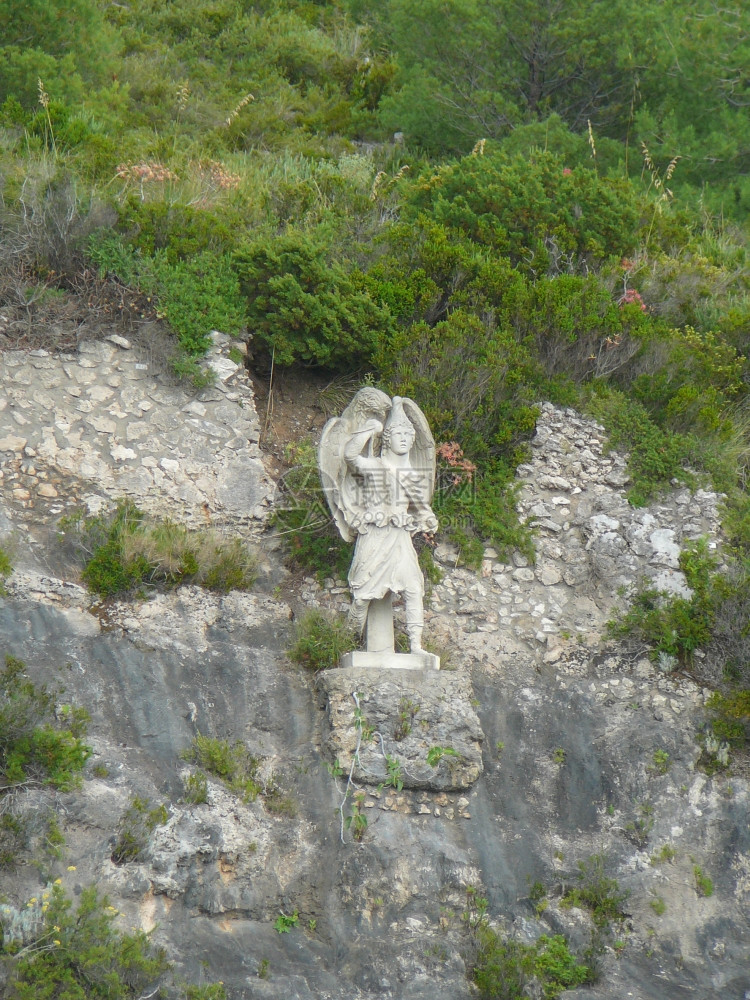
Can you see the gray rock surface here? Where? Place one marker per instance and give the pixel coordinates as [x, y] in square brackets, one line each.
[569, 728]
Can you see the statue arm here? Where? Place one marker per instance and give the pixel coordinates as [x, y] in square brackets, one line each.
[353, 448]
[423, 514]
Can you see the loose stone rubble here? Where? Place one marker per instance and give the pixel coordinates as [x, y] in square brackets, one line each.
[101, 424]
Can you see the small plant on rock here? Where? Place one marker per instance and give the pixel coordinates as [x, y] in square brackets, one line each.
[356, 821]
[436, 754]
[394, 777]
[196, 788]
[704, 886]
[321, 640]
[285, 922]
[233, 763]
[665, 853]
[661, 762]
[407, 710]
[638, 829]
[5, 569]
[658, 905]
[136, 826]
[596, 892]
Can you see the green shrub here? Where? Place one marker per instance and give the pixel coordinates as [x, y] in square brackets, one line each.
[597, 892]
[304, 307]
[475, 383]
[504, 968]
[209, 991]
[125, 550]
[77, 953]
[714, 619]
[194, 295]
[180, 231]
[730, 716]
[40, 743]
[544, 217]
[77, 136]
[320, 640]
[232, 763]
[137, 824]
[35, 745]
[655, 456]
[5, 569]
[480, 511]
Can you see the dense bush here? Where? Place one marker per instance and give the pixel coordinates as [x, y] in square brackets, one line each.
[194, 295]
[474, 382]
[535, 210]
[77, 953]
[303, 306]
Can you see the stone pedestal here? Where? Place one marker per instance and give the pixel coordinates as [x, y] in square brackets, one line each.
[391, 661]
[409, 713]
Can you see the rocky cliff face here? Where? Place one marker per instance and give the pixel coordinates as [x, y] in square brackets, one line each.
[567, 749]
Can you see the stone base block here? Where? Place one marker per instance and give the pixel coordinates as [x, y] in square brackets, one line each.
[391, 661]
[408, 713]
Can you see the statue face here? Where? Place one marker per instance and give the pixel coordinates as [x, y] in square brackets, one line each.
[400, 440]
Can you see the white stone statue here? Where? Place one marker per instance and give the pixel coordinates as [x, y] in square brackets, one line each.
[377, 463]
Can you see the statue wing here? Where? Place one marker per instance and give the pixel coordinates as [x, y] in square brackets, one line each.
[333, 473]
[422, 455]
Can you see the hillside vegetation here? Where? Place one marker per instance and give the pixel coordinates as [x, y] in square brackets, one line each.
[478, 204]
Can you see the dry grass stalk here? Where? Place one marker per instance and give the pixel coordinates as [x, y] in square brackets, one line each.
[658, 182]
[592, 143]
[236, 110]
[379, 188]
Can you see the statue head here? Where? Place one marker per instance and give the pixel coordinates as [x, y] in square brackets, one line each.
[399, 432]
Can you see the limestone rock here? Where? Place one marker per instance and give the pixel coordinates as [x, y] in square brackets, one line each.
[409, 714]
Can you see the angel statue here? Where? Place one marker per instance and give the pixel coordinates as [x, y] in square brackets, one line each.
[377, 463]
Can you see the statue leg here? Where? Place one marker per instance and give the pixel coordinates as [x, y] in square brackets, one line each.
[358, 615]
[414, 618]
